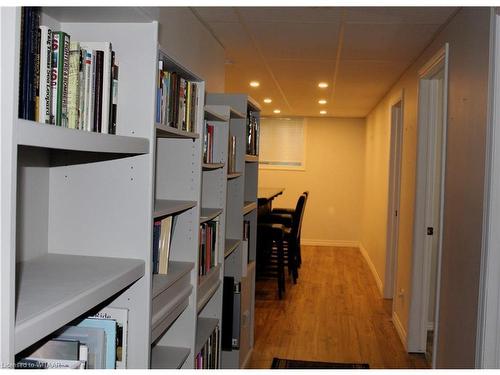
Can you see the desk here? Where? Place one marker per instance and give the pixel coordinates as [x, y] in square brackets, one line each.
[265, 198]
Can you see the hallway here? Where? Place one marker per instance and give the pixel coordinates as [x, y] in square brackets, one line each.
[334, 314]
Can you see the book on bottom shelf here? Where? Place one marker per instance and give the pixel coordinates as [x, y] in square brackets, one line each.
[208, 357]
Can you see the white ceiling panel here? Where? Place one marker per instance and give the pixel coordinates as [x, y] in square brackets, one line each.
[386, 41]
[291, 14]
[216, 14]
[402, 15]
[237, 44]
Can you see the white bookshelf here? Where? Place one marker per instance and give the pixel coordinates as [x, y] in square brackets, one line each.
[241, 204]
[76, 206]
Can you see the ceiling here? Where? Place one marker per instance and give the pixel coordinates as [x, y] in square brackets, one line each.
[359, 51]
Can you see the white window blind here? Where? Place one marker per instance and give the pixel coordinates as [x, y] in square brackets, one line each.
[282, 143]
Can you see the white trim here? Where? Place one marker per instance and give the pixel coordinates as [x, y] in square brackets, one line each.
[488, 324]
[394, 193]
[417, 340]
[375, 274]
[334, 243]
[400, 330]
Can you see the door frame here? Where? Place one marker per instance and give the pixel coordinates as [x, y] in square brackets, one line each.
[394, 193]
[488, 325]
[418, 318]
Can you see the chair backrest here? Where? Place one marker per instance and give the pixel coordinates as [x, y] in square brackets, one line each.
[298, 215]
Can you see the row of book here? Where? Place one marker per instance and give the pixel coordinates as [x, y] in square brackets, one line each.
[208, 143]
[252, 134]
[231, 158]
[97, 342]
[176, 100]
[209, 239]
[208, 357]
[162, 233]
[63, 82]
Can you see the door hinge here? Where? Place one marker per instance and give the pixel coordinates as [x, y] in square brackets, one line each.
[430, 231]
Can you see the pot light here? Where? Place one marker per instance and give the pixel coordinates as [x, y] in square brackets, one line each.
[267, 100]
[322, 112]
[254, 84]
[322, 85]
[322, 101]
[277, 111]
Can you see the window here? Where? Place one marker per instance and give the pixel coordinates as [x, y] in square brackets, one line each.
[282, 143]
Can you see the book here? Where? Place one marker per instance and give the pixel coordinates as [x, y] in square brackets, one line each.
[60, 76]
[45, 98]
[109, 327]
[87, 90]
[36, 75]
[74, 85]
[98, 91]
[114, 94]
[166, 226]
[58, 349]
[156, 245]
[104, 75]
[94, 338]
[120, 316]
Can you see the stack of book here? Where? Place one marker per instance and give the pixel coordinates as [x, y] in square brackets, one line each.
[208, 144]
[176, 100]
[162, 233]
[97, 342]
[208, 246]
[64, 82]
[208, 357]
[252, 134]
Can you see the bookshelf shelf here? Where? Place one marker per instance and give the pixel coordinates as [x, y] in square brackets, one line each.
[205, 328]
[176, 270]
[251, 159]
[208, 214]
[164, 131]
[166, 207]
[237, 114]
[230, 246]
[211, 115]
[168, 357]
[249, 207]
[212, 166]
[207, 286]
[35, 134]
[57, 288]
[231, 176]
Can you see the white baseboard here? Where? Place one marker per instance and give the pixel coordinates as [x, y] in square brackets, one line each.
[400, 330]
[335, 243]
[378, 280]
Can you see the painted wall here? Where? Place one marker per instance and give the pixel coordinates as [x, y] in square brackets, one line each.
[334, 178]
[468, 36]
[187, 40]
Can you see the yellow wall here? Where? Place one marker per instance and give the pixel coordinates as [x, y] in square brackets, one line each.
[468, 37]
[334, 177]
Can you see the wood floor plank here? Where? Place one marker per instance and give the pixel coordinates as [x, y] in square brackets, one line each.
[334, 313]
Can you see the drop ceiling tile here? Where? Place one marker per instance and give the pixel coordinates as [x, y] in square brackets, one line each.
[291, 14]
[237, 45]
[216, 14]
[386, 42]
[403, 15]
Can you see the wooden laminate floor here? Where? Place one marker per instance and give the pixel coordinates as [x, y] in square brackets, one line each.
[334, 313]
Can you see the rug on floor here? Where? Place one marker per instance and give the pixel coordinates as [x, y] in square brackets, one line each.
[280, 363]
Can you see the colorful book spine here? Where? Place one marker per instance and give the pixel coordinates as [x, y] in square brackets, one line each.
[60, 76]
[98, 91]
[114, 95]
[74, 85]
[45, 97]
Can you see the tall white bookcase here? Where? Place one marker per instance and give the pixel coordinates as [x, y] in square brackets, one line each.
[241, 205]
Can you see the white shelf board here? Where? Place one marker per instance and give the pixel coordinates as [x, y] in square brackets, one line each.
[165, 207]
[208, 214]
[230, 246]
[254, 104]
[231, 176]
[251, 158]
[236, 114]
[31, 133]
[249, 207]
[168, 357]
[208, 286]
[54, 289]
[211, 115]
[205, 327]
[212, 166]
[164, 131]
[175, 271]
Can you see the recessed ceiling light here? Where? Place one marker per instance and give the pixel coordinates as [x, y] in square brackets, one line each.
[322, 112]
[254, 84]
[322, 85]
[277, 111]
[267, 100]
[322, 101]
